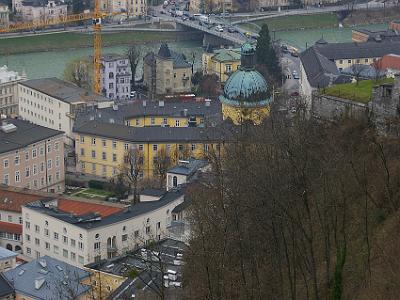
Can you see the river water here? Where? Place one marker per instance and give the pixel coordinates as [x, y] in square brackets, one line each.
[52, 64]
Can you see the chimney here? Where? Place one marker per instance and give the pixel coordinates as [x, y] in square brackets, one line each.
[144, 103]
[161, 103]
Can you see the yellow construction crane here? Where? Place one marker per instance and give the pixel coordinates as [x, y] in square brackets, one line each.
[96, 16]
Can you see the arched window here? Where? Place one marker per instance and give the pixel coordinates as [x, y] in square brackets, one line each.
[9, 247]
[17, 248]
[175, 181]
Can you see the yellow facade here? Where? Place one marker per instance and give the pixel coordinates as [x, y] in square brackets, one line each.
[104, 156]
[221, 68]
[345, 63]
[145, 121]
[239, 115]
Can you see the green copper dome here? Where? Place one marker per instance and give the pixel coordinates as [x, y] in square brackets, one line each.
[246, 86]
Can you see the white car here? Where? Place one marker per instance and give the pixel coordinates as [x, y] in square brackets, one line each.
[219, 28]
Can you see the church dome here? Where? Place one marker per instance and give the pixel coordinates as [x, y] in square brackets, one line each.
[246, 87]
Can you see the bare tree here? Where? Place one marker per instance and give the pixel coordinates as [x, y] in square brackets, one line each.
[161, 163]
[134, 54]
[79, 72]
[131, 170]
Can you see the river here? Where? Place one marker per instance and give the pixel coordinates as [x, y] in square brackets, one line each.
[52, 64]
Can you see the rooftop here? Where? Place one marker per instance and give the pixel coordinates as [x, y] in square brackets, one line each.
[47, 278]
[153, 134]
[389, 61]
[80, 208]
[97, 217]
[12, 199]
[63, 90]
[23, 135]
[113, 57]
[5, 287]
[187, 167]
[179, 60]
[227, 55]
[5, 253]
[10, 227]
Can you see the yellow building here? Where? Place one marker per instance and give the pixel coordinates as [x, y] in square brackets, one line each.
[102, 147]
[246, 95]
[221, 62]
[166, 72]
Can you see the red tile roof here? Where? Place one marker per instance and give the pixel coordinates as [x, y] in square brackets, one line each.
[82, 208]
[10, 227]
[389, 61]
[13, 200]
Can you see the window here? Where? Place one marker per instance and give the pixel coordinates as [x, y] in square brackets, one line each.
[82, 152]
[65, 253]
[10, 218]
[114, 144]
[42, 167]
[55, 235]
[97, 246]
[104, 156]
[193, 147]
[55, 249]
[27, 172]
[80, 245]
[73, 256]
[28, 250]
[180, 147]
[37, 229]
[49, 164]
[158, 225]
[152, 121]
[140, 147]
[5, 163]
[155, 147]
[148, 230]
[93, 154]
[93, 141]
[349, 61]
[46, 232]
[114, 157]
[48, 148]
[81, 260]
[26, 155]
[104, 143]
[34, 153]
[366, 60]
[56, 146]
[82, 139]
[34, 169]
[16, 160]
[37, 241]
[72, 242]
[27, 225]
[41, 151]
[341, 61]
[177, 123]
[165, 121]
[136, 233]
[124, 237]
[126, 146]
[47, 246]
[228, 68]
[57, 161]
[6, 179]
[65, 239]
[27, 237]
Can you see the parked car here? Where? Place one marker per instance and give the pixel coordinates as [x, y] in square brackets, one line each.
[219, 28]
[184, 18]
[295, 76]
[232, 30]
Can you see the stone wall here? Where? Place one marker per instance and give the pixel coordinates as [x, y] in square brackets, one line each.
[333, 108]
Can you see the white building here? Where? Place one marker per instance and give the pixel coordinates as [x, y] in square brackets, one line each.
[82, 232]
[132, 8]
[53, 103]
[39, 9]
[4, 16]
[116, 76]
[8, 91]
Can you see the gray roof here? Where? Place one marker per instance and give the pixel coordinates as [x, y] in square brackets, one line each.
[379, 35]
[320, 70]
[40, 3]
[181, 207]
[26, 279]
[153, 192]
[26, 134]
[363, 71]
[188, 168]
[5, 253]
[63, 90]
[128, 213]
[5, 287]
[179, 60]
[212, 113]
[154, 134]
[334, 51]
[113, 57]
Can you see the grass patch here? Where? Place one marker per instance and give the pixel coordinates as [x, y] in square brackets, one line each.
[361, 92]
[91, 193]
[326, 20]
[70, 40]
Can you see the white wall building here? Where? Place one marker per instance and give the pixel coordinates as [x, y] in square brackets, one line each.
[40, 9]
[82, 232]
[116, 76]
[8, 91]
[132, 8]
[53, 103]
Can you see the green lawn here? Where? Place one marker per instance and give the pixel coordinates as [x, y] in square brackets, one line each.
[78, 40]
[360, 92]
[326, 20]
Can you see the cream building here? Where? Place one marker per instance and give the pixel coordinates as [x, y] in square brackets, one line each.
[4, 16]
[166, 72]
[8, 90]
[82, 231]
[53, 103]
[40, 9]
[130, 8]
[31, 156]
[221, 62]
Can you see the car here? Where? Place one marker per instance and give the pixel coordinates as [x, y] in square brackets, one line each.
[184, 18]
[295, 76]
[247, 34]
[231, 30]
[219, 28]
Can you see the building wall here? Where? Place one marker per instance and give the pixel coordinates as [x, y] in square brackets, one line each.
[7, 238]
[103, 284]
[239, 115]
[116, 79]
[7, 263]
[28, 167]
[133, 8]
[52, 10]
[4, 16]
[127, 234]
[44, 110]
[345, 63]
[306, 89]
[115, 150]
[8, 90]
[162, 121]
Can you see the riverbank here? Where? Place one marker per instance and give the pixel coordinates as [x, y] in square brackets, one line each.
[371, 16]
[72, 40]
